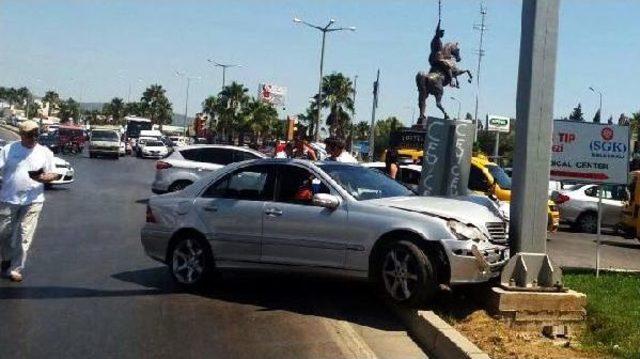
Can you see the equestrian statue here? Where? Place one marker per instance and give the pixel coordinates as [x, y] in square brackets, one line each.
[443, 72]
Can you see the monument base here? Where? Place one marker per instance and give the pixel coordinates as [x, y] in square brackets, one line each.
[537, 308]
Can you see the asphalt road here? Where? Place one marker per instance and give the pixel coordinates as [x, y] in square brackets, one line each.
[90, 291]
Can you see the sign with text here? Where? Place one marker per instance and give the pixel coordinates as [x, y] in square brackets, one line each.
[446, 157]
[588, 152]
[498, 123]
[272, 94]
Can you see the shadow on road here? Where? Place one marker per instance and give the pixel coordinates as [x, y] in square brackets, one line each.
[353, 301]
[54, 292]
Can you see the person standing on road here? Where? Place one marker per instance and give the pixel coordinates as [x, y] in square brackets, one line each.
[26, 166]
[391, 162]
[336, 150]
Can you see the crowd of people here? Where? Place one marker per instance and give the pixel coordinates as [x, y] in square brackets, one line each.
[300, 147]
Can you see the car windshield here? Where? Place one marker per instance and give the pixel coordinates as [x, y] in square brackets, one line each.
[104, 136]
[363, 183]
[153, 144]
[501, 178]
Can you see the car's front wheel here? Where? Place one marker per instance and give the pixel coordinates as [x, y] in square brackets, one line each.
[405, 274]
[191, 262]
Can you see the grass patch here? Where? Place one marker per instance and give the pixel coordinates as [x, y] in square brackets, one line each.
[613, 311]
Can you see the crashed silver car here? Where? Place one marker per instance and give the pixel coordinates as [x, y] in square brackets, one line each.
[327, 217]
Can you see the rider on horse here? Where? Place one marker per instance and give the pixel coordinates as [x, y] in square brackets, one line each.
[436, 58]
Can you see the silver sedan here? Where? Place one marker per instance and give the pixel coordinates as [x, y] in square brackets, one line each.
[326, 217]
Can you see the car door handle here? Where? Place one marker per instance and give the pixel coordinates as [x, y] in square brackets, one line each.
[210, 208]
[273, 212]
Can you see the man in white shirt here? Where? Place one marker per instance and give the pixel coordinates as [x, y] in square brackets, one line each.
[336, 150]
[26, 166]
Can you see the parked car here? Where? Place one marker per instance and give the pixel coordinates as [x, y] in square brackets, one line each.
[326, 217]
[153, 149]
[579, 206]
[188, 163]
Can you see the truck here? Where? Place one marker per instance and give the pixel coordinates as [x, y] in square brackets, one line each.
[104, 141]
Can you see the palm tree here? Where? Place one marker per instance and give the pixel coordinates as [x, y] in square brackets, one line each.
[134, 108]
[337, 95]
[259, 119]
[156, 105]
[383, 132]
[115, 108]
[53, 99]
[362, 130]
[69, 109]
[231, 100]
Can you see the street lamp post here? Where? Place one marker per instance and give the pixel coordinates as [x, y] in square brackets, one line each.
[600, 105]
[186, 102]
[459, 105]
[224, 69]
[324, 30]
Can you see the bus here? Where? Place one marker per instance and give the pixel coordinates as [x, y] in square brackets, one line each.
[137, 124]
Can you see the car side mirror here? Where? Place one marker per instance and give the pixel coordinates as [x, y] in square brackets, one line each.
[326, 200]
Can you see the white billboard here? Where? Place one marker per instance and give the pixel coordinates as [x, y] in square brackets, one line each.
[589, 152]
[498, 123]
[272, 94]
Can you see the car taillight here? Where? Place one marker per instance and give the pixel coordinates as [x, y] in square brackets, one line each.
[561, 198]
[150, 218]
[162, 165]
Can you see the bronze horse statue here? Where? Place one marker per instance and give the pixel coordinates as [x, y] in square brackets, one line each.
[434, 82]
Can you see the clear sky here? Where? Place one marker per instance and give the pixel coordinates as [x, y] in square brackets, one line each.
[92, 50]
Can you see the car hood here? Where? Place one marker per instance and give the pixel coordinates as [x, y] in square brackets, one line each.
[447, 208]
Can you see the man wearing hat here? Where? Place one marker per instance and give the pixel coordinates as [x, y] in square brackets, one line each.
[26, 166]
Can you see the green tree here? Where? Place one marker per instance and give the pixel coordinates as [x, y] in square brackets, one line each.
[361, 130]
[53, 99]
[383, 133]
[134, 108]
[34, 109]
[634, 122]
[337, 96]
[576, 114]
[156, 105]
[69, 109]
[306, 120]
[116, 109]
[260, 119]
[231, 101]
[596, 118]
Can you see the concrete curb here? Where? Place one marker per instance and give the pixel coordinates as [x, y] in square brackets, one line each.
[437, 337]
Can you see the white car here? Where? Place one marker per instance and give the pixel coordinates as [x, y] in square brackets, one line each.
[578, 206]
[64, 169]
[153, 149]
[188, 163]
[179, 141]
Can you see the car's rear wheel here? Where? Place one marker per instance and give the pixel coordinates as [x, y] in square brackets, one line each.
[191, 261]
[405, 274]
[179, 186]
[588, 222]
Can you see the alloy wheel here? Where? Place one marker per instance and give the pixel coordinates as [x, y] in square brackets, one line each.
[188, 262]
[400, 274]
